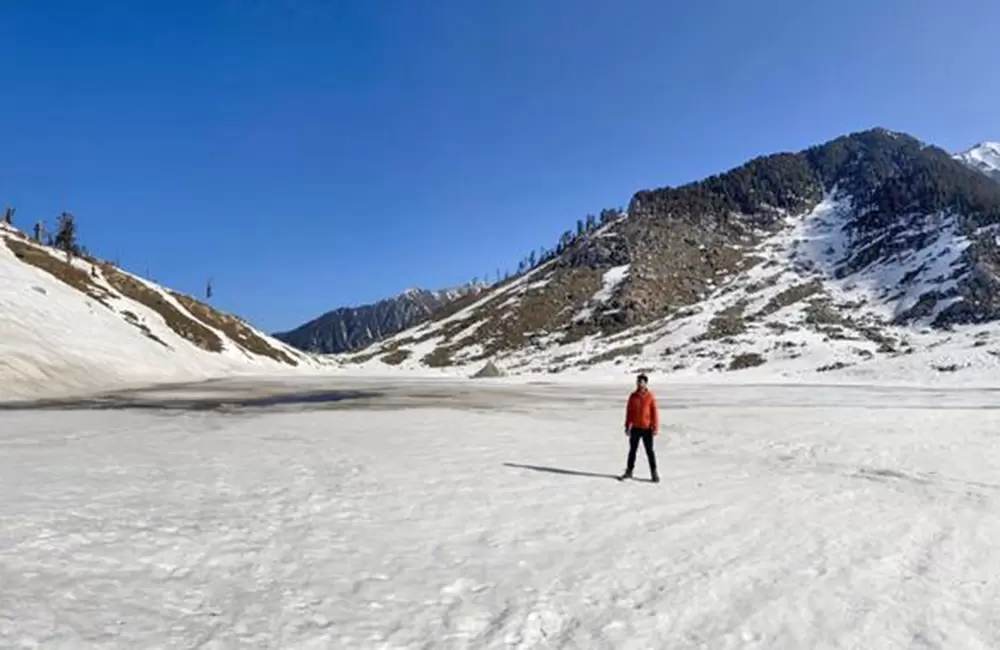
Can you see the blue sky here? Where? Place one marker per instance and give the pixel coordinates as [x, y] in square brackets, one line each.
[311, 154]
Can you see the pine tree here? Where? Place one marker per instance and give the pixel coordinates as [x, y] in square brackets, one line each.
[564, 241]
[65, 238]
[38, 231]
[208, 290]
[591, 223]
[8, 216]
[580, 228]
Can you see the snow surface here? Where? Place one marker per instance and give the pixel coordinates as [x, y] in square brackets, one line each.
[815, 245]
[788, 517]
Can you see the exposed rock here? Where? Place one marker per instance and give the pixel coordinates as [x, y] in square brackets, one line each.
[489, 371]
[748, 360]
[599, 252]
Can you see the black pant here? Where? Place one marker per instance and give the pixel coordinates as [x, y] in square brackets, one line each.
[646, 435]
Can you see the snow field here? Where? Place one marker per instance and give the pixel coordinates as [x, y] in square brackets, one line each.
[788, 517]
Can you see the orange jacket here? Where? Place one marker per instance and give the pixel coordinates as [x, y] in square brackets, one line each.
[641, 411]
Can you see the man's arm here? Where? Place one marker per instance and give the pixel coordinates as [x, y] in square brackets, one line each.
[655, 413]
[628, 414]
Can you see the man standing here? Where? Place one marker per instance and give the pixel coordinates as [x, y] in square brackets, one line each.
[642, 422]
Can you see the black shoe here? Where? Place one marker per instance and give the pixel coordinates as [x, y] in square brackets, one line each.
[656, 478]
[625, 476]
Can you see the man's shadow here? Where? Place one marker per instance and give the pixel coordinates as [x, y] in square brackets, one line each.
[564, 472]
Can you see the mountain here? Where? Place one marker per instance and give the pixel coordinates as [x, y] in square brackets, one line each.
[351, 328]
[984, 158]
[80, 325]
[873, 246]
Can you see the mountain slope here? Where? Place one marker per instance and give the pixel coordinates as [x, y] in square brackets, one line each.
[351, 328]
[839, 254]
[984, 158]
[83, 325]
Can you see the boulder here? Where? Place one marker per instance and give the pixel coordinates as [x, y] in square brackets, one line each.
[488, 371]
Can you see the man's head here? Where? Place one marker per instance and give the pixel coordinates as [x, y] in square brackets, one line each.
[641, 381]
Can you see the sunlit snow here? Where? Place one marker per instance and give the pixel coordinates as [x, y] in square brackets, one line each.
[787, 517]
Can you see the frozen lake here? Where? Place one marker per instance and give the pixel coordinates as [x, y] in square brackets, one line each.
[418, 514]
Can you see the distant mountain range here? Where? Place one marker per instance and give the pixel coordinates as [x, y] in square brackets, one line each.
[352, 328]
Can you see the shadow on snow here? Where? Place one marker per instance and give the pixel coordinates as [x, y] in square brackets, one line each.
[564, 472]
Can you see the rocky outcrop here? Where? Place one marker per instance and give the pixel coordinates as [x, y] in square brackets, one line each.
[489, 371]
[601, 251]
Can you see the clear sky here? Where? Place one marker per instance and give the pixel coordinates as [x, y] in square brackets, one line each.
[309, 154]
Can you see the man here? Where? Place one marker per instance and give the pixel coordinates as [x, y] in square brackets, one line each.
[642, 422]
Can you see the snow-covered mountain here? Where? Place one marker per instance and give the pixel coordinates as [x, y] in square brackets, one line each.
[350, 328]
[81, 325]
[874, 248]
[984, 157]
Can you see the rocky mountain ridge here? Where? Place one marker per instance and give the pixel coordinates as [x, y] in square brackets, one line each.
[849, 249]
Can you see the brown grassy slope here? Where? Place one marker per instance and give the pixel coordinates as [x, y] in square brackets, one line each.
[191, 329]
[396, 357]
[233, 328]
[505, 327]
[677, 262]
[674, 263]
[59, 269]
[187, 328]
